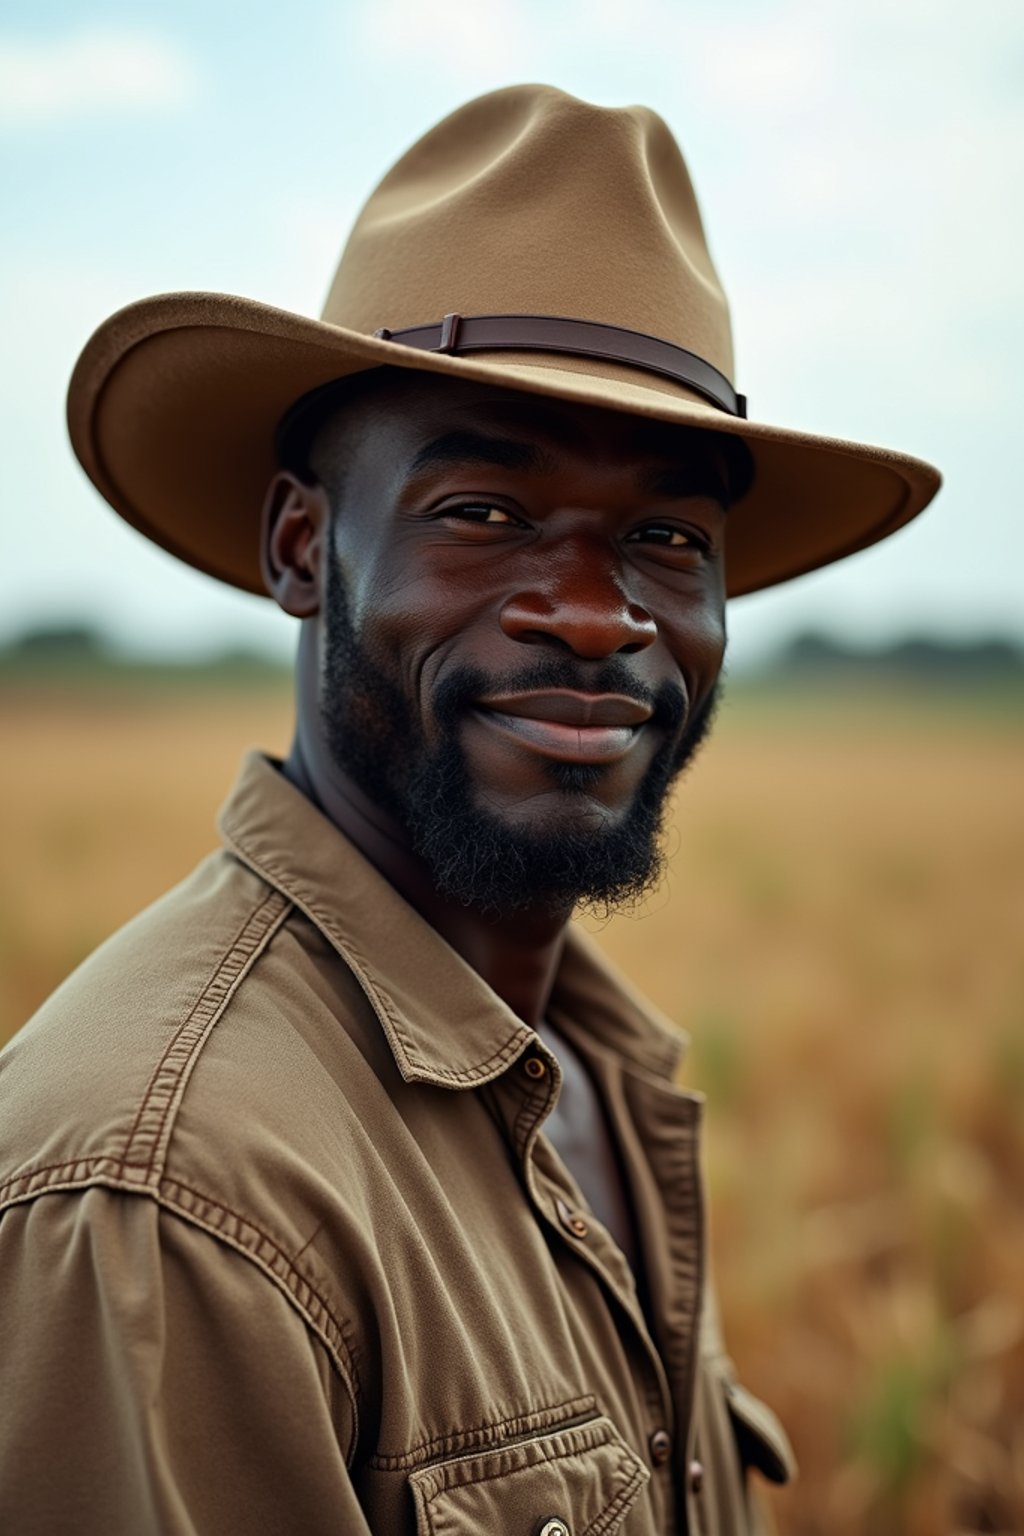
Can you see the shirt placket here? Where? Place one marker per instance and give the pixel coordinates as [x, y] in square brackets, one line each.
[667, 1124]
[538, 1083]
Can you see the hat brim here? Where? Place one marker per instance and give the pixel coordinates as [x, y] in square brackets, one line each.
[174, 401]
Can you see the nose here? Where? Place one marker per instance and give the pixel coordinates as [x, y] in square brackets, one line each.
[579, 602]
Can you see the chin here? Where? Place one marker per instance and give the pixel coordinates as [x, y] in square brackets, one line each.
[572, 810]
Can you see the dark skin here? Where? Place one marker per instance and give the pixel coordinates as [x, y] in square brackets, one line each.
[608, 545]
[487, 527]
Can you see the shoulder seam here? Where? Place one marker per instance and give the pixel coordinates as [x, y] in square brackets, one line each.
[227, 1226]
[141, 1161]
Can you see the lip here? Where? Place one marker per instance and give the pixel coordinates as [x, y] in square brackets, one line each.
[567, 726]
[567, 706]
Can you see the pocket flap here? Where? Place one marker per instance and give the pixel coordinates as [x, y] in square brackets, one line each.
[762, 1441]
[585, 1477]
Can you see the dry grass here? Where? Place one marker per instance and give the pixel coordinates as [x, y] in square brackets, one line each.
[841, 935]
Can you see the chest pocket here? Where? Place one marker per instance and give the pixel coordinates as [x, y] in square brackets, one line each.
[581, 1481]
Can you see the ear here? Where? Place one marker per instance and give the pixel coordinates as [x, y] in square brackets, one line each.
[293, 545]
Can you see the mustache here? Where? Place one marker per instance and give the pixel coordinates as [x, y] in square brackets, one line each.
[464, 686]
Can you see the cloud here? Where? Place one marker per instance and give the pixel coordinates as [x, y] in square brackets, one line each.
[454, 35]
[743, 60]
[53, 79]
[854, 161]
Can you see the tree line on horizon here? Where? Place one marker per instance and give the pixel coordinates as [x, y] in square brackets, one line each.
[82, 650]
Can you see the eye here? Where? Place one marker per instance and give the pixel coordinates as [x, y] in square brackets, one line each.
[670, 536]
[478, 521]
[483, 512]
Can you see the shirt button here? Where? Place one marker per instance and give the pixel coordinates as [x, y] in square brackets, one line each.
[571, 1220]
[535, 1068]
[660, 1446]
[696, 1476]
[553, 1527]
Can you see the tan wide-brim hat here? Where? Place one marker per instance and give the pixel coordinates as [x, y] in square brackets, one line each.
[531, 241]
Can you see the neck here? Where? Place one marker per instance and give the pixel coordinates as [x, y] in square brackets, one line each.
[517, 957]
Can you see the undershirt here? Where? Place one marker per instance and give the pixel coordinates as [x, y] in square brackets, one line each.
[578, 1130]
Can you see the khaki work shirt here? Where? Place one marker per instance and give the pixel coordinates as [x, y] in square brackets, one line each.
[284, 1248]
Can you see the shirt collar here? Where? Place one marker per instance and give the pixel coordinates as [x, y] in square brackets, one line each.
[443, 1022]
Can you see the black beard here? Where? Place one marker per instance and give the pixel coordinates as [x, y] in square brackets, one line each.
[473, 856]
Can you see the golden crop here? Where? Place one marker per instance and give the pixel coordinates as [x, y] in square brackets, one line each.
[841, 934]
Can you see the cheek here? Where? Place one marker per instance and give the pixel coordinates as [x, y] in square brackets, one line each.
[409, 627]
[715, 637]
[380, 600]
[697, 638]
[419, 601]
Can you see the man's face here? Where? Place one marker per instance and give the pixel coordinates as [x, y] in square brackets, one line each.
[524, 631]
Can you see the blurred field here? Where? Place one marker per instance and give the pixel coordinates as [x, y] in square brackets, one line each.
[841, 935]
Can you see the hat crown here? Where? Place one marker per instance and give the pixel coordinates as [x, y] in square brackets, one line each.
[525, 203]
[530, 201]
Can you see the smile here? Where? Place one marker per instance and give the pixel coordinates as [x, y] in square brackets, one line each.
[567, 726]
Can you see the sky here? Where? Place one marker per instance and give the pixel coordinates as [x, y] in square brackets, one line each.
[858, 165]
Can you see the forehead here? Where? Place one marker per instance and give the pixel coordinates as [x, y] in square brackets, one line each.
[403, 413]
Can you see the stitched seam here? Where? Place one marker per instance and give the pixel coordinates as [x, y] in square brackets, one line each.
[288, 1272]
[334, 1332]
[463, 1439]
[381, 1000]
[382, 1004]
[545, 1461]
[10, 1194]
[236, 962]
[684, 1207]
[192, 1008]
[622, 1500]
[596, 1435]
[531, 1106]
[334, 1339]
[501, 1057]
[172, 1072]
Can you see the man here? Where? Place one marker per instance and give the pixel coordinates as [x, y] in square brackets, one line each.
[347, 1189]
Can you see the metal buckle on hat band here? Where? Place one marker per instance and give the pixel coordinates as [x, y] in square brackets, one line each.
[458, 334]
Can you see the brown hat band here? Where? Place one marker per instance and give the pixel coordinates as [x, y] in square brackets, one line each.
[457, 334]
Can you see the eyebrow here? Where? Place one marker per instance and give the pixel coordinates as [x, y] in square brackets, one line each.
[467, 447]
[701, 475]
[696, 478]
